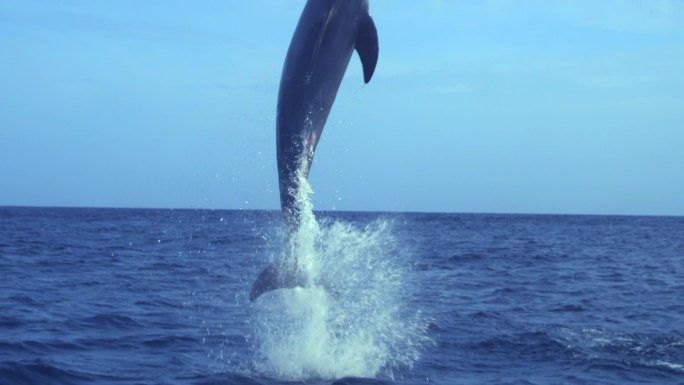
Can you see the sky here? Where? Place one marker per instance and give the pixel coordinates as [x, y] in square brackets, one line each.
[493, 106]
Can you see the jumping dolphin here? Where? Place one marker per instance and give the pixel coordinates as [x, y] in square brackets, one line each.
[327, 34]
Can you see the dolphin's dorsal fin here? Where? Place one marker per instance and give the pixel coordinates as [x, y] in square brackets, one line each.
[367, 46]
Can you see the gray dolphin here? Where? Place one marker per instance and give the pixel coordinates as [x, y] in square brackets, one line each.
[327, 34]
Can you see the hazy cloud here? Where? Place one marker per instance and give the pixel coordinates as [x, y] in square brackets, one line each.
[63, 21]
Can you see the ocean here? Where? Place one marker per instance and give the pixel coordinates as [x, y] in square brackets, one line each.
[156, 296]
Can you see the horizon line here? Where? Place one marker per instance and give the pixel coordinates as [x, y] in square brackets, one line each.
[413, 212]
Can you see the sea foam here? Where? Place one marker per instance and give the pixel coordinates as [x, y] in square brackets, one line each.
[353, 318]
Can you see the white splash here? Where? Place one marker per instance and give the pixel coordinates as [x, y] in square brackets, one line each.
[353, 319]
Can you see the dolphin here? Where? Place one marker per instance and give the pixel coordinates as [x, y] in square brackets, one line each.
[328, 33]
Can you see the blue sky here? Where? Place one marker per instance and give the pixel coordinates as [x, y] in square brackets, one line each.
[475, 106]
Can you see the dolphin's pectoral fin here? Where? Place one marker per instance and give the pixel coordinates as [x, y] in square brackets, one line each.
[277, 276]
[366, 45]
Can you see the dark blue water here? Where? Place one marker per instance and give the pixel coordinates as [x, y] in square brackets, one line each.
[114, 296]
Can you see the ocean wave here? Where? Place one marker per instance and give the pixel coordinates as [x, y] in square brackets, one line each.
[34, 347]
[39, 372]
[104, 321]
[663, 352]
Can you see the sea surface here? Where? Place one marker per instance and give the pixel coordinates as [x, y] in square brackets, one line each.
[135, 296]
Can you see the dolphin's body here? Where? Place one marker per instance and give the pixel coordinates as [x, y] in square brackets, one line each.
[327, 34]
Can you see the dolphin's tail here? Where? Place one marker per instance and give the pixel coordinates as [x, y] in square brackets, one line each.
[277, 275]
[298, 215]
